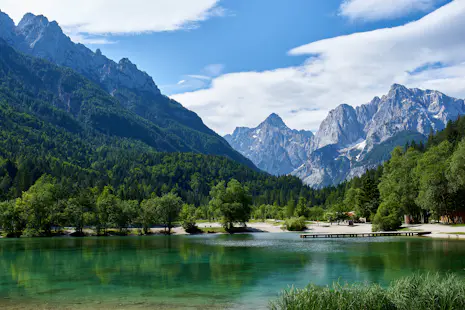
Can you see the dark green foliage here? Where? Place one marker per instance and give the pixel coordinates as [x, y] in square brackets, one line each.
[421, 292]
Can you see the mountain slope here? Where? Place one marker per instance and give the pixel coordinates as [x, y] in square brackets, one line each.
[272, 146]
[55, 121]
[31, 147]
[131, 89]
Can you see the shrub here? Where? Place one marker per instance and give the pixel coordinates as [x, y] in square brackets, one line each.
[418, 292]
[295, 224]
[188, 219]
[386, 219]
[31, 232]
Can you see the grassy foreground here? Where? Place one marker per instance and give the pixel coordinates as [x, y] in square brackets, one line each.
[414, 292]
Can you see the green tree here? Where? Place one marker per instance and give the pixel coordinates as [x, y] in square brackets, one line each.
[398, 190]
[388, 216]
[78, 212]
[167, 210]
[147, 214]
[40, 205]
[262, 212]
[368, 199]
[188, 219]
[290, 208]
[455, 172]
[316, 213]
[233, 201]
[339, 211]
[12, 218]
[106, 201]
[434, 193]
[302, 208]
[352, 200]
[123, 214]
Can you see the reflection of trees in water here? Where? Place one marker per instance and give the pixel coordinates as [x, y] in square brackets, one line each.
[96, 266]
[199, 267]
[383, 262]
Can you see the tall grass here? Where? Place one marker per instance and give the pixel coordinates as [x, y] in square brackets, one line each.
[419, 292]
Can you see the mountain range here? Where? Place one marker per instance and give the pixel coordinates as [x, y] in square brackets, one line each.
[65, 84]
[350, 140]
[129, 103]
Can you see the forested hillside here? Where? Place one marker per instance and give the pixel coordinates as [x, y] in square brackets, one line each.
[62, 97]
[30, 147]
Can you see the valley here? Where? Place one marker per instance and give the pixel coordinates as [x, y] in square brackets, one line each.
[121, 189]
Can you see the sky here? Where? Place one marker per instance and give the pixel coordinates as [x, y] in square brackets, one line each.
[234, 62]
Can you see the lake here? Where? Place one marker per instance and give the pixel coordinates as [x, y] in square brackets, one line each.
[208, 271]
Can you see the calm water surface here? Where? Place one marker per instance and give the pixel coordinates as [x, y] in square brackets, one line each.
[198, 272]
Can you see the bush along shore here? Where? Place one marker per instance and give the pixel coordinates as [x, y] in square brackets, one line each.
[419, 292]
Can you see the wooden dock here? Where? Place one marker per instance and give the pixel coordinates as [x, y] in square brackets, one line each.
[361, 235]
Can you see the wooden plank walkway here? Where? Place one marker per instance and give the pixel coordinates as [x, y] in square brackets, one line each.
[361, 235]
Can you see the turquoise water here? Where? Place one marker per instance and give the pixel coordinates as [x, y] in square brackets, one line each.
[198, 272]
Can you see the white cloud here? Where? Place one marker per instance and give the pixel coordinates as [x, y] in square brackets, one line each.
[86, 38]
[383, 9]
[98, 17]
[348, 69]
[213, 70]
[199, 77]
[192, 82]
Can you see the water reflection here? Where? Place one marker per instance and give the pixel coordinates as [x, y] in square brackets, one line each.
[236, 270]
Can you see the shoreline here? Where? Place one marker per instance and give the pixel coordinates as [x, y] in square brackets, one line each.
[440, 231]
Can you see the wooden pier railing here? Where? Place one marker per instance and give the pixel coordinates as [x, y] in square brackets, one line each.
[361, 235]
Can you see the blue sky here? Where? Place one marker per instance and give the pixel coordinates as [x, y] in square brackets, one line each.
[234, 62]
[251, 36]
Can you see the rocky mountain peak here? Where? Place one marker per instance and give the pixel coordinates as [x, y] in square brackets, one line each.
[398, 91]
[274, 120]
[7, 28]
[340, 127]
[29, 19]
[44, 39]
[37, 36]
[240, 130]
[5, 20]
[272, 146]
[125, 62]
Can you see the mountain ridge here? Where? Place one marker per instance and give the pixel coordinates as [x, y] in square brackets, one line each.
[351, 140]
[132, 88]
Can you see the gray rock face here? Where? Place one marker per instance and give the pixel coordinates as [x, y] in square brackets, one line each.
[341, 127]
[350, 141]
[38, 37]
[7, 28]
[272, 146]
[417, 110]
[357, 145]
